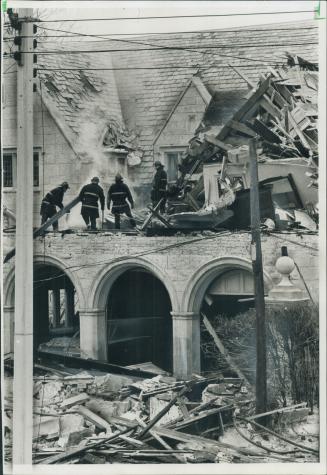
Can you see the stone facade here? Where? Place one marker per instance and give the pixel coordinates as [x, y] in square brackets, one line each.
[186, 265]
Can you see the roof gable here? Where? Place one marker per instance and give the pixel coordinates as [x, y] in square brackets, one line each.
[203, 93]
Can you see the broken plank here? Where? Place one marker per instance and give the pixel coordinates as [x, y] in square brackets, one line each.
[163, 411]
[298, 131]
[207, 445]
[239, 127]
[80, 450]
[149, 218]
[277, 411]
[77, 362]
[72, 401]
[222, 349]
[156, 213]
[191, 202]
[265, 131]
[274, 95]
[271, 108]
[214, 141]
[200, 417]
[120, 421]
[130, 440]
[165, 445]
[246, 79]
[183, 408]
[250, 103]
[98, 421]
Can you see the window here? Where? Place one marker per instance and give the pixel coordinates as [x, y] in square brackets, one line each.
[172, 159]
[10, 172]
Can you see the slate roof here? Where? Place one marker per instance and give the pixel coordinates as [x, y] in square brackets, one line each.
[82, 102]
[143, 98]
[148, 95]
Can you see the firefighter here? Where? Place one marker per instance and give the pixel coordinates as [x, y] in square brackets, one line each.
[159, 186]
[118, 193]
[52, 199]
[89, 196]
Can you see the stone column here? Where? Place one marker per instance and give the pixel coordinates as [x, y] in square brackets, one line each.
[56, 307]
[186, 344]
[8, 329]
[69, 306]
[93, 334]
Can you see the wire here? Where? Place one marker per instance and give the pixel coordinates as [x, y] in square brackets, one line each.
[207, 15]
[224, 31]
[172, 48]
[162, 46]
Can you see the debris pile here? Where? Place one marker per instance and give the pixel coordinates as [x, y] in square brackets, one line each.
[213, 189]
[89, 417]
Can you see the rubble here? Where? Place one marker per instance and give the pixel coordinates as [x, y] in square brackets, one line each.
[213, 188]
[159, 420]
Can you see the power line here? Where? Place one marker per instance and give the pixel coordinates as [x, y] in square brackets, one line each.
[207, 15]
[107, 36]
[144, 43]
[171, 48]
[196, 66]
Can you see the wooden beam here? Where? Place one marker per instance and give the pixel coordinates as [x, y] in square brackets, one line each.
[271, 108]
[222, 349]
[149, 218]
[247, 80]
[239, 127]
[156, 213]
[214, 141]
[251, 102]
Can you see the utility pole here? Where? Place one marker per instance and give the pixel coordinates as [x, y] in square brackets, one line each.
[23, 345]
[259, 297]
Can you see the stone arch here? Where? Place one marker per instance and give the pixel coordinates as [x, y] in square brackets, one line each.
[104, 280]
[202, 277]
[9, 283]
[9, 288]
[49, 260]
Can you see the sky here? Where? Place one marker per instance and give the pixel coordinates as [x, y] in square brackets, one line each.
[74, 10]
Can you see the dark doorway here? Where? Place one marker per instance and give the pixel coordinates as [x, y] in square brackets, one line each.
[229, 295]
[54, 305]
[139, 320]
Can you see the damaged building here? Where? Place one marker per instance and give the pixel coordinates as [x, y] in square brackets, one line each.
[138, 297]
[135, 330]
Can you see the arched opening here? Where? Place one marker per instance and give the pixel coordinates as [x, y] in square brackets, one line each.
[139, 320]
[227, 296]
[56, 322]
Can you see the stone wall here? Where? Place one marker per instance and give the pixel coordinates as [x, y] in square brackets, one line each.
[185, 264]
[57, 164]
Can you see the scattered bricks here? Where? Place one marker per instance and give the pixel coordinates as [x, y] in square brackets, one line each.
[72, 401]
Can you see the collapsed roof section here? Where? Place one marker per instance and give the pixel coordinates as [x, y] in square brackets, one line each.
[83, 100]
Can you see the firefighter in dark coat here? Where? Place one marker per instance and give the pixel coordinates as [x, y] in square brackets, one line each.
[52, 199]
[159, 186]
[118, 193]
[89, 196]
